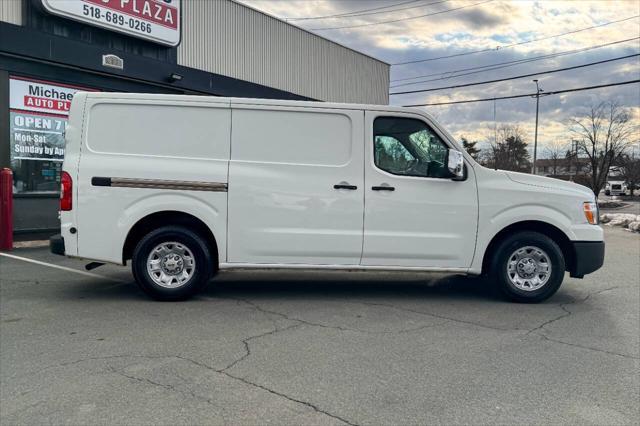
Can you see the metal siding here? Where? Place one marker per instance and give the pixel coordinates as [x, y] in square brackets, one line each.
[227, 38]
[11, 11]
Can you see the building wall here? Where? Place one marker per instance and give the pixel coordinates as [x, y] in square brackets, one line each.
[11, 11]
[228, 38]
[227, 50]
[231, 39]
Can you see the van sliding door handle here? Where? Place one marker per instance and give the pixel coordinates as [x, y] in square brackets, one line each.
[383, 188]
[345, 186]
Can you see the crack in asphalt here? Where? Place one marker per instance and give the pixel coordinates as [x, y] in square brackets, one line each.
[575, 345]
[538, 330]
[567, 312]
[168, 387]
[247, 347]
[563, 306]
[287, 317]
[259, 386]
[336, 327]
[290, 398]
[452, 319]
[141, 379]
[222, 371]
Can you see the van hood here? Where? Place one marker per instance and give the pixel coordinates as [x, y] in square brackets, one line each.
[551, 183]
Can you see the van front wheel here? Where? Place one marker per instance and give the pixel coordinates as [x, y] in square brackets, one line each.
[172, 263]
[528, 267]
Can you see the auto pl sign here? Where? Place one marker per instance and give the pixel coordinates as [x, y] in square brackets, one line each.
[154, 20]
[38, 118]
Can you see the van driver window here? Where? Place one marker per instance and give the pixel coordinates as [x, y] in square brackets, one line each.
[408, 147]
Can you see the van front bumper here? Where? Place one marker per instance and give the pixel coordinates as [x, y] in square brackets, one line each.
[56, 244]
[588, 256]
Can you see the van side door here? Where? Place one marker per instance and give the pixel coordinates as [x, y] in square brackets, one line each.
[415, 214]
[296, 185]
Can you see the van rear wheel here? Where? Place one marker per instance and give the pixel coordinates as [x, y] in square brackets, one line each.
[528, 267]
[172, 263]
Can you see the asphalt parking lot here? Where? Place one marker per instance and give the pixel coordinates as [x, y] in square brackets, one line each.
[317, 348]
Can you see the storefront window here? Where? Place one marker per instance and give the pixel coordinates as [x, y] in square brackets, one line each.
[38, 119]
[36, 176]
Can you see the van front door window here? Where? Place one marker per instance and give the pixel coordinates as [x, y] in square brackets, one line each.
[408, 147]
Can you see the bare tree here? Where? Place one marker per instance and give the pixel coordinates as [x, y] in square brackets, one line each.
[629, 167]
[556, 152]
[602, 135]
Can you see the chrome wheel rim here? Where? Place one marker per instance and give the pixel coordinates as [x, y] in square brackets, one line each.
[529, 268]
[171, 264]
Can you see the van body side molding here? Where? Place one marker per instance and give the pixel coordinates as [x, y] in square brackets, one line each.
[159, 184]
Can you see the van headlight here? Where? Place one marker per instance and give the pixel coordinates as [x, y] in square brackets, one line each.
[590, 210]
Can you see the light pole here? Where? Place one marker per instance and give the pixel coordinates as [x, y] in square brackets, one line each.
[535, 138]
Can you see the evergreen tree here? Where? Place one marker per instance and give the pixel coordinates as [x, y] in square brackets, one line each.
[470, 147]
[510, 151]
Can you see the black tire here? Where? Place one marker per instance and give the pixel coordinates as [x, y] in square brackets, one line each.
[200, 274]
[499, 276]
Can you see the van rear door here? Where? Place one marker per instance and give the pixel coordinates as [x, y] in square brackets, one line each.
[296, 185]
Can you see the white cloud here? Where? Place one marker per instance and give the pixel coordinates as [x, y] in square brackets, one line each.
[487, 26]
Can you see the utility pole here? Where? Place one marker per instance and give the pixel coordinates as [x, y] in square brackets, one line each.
[535, 138]
[573, 155]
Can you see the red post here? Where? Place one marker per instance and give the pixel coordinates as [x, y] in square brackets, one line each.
[6, 209]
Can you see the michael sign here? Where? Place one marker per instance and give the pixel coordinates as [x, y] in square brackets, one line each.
[153, 20]
[38, 118]
[40, 96]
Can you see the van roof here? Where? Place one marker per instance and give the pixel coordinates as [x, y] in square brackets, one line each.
[247, 101]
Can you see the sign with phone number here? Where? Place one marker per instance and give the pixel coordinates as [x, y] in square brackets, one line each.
[154, 20]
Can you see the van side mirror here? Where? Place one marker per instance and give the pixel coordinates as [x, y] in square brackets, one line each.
[455, 164]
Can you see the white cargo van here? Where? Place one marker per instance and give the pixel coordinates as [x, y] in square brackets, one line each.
[183, 186]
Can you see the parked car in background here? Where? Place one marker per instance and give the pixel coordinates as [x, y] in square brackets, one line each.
[616, 187]
[182, 186]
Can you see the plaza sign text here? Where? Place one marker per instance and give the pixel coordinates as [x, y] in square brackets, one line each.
[154, 20]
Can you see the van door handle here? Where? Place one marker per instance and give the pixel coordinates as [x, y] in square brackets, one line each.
[383, 188]
[344, 186]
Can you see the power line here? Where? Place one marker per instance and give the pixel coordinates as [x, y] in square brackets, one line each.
[500, 65]
[372, 11]
[400, 19]
[506, 46]
[555, 92]
[340, 15]
[619, 58]
[395, 10]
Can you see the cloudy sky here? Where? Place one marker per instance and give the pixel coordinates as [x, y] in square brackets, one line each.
[482, 24]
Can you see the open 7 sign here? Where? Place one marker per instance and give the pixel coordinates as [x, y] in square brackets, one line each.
[154, 20]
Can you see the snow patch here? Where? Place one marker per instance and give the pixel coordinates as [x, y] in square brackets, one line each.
[624, 220]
